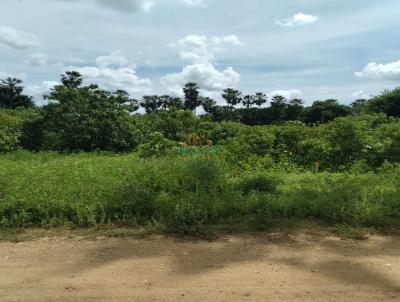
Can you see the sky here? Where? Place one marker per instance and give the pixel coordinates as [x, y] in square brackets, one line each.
[312, 49]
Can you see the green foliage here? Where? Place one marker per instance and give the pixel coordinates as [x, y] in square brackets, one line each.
[260, 99]
[365, 199]
[10, 132]
[192, 96]
[157, 146]
[387, 102]
[257, 182]
[150, 103]
[248, 144]
[11, 94]
[217, 132]
[389, 137]
[49, 189]
[334, 166]
[208, 104]
[174, 124]
[232, 97]
[325, 111]
[179, 192]
[30, 128]
[87, 118]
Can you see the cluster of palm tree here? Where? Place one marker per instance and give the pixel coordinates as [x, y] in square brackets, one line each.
[193, 99]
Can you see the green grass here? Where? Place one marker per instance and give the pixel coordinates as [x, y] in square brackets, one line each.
[186, 194]
[51, 189]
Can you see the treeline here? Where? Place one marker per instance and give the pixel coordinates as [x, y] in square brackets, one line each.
[247, 109]
[325, 135]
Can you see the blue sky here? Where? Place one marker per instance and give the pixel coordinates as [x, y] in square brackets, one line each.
[314, 49]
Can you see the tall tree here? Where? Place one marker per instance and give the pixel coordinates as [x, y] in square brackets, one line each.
[325, 111]
[208, 104]
[387, 102]
[232, 96]
[294, 109]
[278, 107]
[164, 101]
[260, 99]
[123, 96]
[11, 94]
[88, 118]
[71, 79]
[248, 101]
[192, 96]
[168, 102]
[359, 106]
[150, 103]
[175, 102]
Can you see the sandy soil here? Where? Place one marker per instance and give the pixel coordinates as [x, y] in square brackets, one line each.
[233, 268]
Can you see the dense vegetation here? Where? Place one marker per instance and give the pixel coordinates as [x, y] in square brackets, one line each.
[337, 163]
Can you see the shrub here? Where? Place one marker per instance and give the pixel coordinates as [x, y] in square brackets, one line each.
[49, 189]
[157, 146]
[259, 182]
[10, 132]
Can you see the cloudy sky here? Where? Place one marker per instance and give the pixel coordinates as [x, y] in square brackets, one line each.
[315, 49]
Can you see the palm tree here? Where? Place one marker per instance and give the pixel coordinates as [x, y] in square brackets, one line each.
[248, 101]
[164, 101]
[278, 107]
[150, 103]
[175, 102]
[294, 109]
[208, 104]
[192, 96]
[71, 79]
[232, 97]
[260, 99]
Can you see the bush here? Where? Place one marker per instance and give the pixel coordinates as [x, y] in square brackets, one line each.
[258, 182]
[366, 199]
[173, 191]
[10, 132]
[157, 146]
[173, 123]
[50, 189]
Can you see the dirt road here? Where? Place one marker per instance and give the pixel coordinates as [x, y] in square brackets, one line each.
[259, 267]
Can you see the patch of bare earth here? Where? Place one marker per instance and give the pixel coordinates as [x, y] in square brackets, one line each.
[262, 267]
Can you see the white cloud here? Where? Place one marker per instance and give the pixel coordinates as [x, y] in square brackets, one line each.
[71, 60]
[229, 40]
[128, 5]
[37, 59]
[116, 58]
[389, 71]
[198, 3]
[298, 19]
[288, 94]
[195, 48]
[11, 37]
[205, 75]
[115, 72]
[4, 74]
[200, 52]
[37, 91]
[141, 5]
[359, 94]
